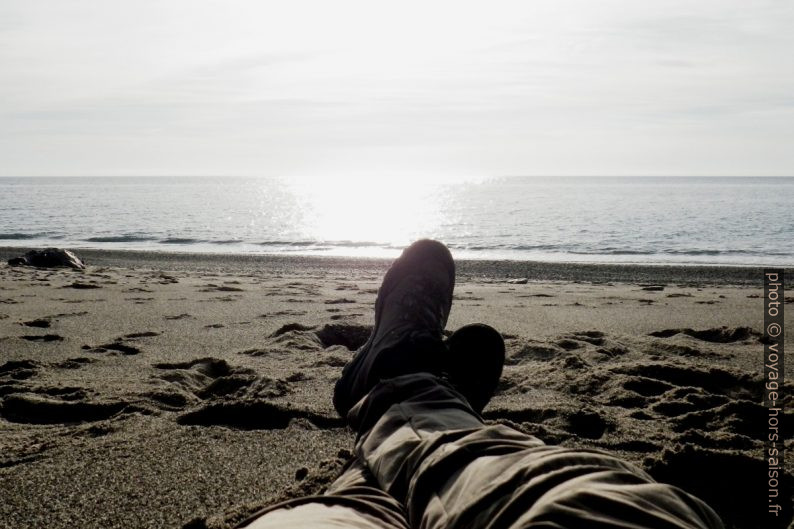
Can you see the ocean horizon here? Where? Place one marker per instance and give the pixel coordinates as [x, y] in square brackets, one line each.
[664, 220]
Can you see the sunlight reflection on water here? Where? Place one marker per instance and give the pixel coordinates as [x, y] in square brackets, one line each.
[391, 214]
[578, 219]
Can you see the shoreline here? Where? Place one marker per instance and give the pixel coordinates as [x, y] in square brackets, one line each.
[467, 269]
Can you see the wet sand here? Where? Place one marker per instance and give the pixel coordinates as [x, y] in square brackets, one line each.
[158, 390]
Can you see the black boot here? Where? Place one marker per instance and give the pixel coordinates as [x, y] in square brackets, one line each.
[411, 311]
[476, 355]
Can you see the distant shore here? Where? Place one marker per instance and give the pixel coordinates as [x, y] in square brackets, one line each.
[467, 269]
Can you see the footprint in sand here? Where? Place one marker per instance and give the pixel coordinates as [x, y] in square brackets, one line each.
[557, 424]
[179, 317]
[303, 288]
[73, 301]
[345, 316]
[731, 383]
[221, 298]
[59, 409]
[74, 363]
[165, 279]
[144, 334]
[299, 337]
[220, 288]
[287, 312]
[714, 335]
[205, 377]
[350, 336]
[41, 323]
[334, 361]
[67, 315]
[591, 337]
[19, 369]
[209, 379]
[298, 376]
[41, 404]
[663, 349]
[82, 286]
[520, 353]
[43, 338]
[118, 347]
[569, 344]
[339, 301]
[139, 300]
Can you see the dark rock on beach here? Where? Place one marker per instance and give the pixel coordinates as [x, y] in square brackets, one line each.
[49, 258]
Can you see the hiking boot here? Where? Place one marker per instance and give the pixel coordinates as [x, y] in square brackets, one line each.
[476, 354]
[411, 311]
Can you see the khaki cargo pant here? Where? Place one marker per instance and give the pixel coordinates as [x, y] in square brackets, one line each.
[426, 460]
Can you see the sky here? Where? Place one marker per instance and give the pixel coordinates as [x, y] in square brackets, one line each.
[428, 89]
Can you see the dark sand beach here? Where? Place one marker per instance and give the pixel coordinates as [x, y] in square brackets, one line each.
[164, 390]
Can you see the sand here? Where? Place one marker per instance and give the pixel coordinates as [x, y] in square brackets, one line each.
[165, 390]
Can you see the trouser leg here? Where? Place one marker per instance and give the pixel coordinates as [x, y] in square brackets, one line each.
[428, 449]
[352, 501]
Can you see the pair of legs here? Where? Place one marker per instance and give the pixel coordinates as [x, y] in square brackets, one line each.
[425, 459]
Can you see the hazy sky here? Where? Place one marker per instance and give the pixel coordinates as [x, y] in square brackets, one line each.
[330, 88]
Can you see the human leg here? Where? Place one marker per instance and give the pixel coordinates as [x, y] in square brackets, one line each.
[410, 337]
[425, 444]
[427, 448]
[353, 501]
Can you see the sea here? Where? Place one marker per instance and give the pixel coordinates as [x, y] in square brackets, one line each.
[661, 220]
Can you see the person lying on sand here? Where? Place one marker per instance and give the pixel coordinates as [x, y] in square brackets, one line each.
[424, 457]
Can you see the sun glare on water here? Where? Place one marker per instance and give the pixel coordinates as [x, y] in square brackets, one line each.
[364, 213]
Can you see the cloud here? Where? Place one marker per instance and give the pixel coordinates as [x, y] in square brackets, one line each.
[567, 87]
